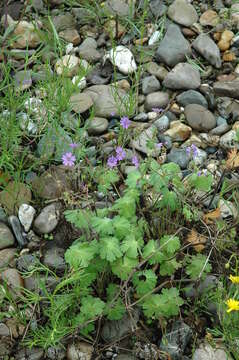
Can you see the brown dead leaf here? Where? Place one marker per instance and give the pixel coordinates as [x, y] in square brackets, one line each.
[210, 217]
[195, 238]
[232, 159]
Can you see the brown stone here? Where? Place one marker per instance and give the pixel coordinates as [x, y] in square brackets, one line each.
[209, 18]
[178, 131]
[229, 56]
[227, 35]
[15, 194]
[14, 281]
[7, 257]
[71, 35]
[188, 32]
[223, 45]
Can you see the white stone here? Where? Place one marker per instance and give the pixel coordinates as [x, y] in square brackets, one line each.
[68, 64]
[207, 352]
[79, 81]
[155, 37]
[123, 59]
[200, 158]
[26, 215]
[228, 140]
[227, 208]
[152, 115]
[237, 69]
[69, 48]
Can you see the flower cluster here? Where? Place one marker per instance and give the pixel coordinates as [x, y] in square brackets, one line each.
[233, 305]
[202, 172]
[68, 159]
[125, 122]
[192, 150]
[120, 155]
[157, 110]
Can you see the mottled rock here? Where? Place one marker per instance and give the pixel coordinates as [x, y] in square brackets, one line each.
[174, 48]
[178, 131]
[64, 21]
[157, 70]
[79, 351]
[13, 280]
[118, 7]
[179, 156]
[71, 36]
[22, 80]
[15, 194]
[80, 102]
[97, 126]
[227, 88]
[191, 97]
[162, 124]
[7, 257]
[141, 142]
[209, 18]
[88, 50]
[26, 215]
[199, 118]
[182, 76]
[47, 220]
[6, 236]
[117, 329]
[150, 84]
[68, 65]
[183, 13]
[158, 99]
[54, 259]
[208, 49]
[228, 140]
[207, 352]
[227, 208]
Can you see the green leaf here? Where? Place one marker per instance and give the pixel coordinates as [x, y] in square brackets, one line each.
[80, 254]
[169, 244]
[123, 267]
[79, 218]
[168, 267]
[115, 310]
[122, 226]
[133, 178]
[144, 281]
[110, 248]
[201, 182]
[169, 200]
[126, 205]
[196, 265]
[106, 180]
[130, 246]
[91, 307]
[102, 226]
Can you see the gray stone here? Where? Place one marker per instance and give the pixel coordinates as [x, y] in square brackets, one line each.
[179, 156]
[116, 329]
[183, 13]
[141, 142]
[80, 102]
[56, 353]
[7, 257]
[4, 330]
[88, 50]
[82, 15]
[118, 7]
[64, 22]
[54, 259]
[6, 236]
[154, 69]
[162, 124]
[150, 84]
[220, 130]
[97, 125]
[22, 80]
[26, 215]
[14, 281]
[3, 215]
[183, 76]
[15, 194]
[30, 354]
[17, 230]
[227, 88]
[26, 262]
[191, 97]
[158, 99]
[228, 140]
[47, 220]
[157, 8]
[207, 352]
[174, 47]
[221, 121]
[209, 283]
[141, 117]
[199, 118]
[79, 350]
[200, 158]
[107, 100]
[208, 49]
[175, 341]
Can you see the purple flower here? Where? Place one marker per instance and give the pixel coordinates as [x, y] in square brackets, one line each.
[188, 150]
[192, 150]
[68, 159]
[159, 145]
[199, 173]
[113, 113]
[157, 110]
[73, 145]
[120, 153]
[135, 161]
[112, 161]
[125, 122]
[203, 172]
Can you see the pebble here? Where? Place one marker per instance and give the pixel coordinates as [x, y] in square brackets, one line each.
[79, 351]
[182, 76]
[209, 18]
[158, 99]
[97, 125]
[7, 257]
[80, 82]
[116, 329]
[14, 281]
[199, 118]
[227, 88]
[178, 131]
[192, 97]
[117, 7]
[173, 48]
[22, 80]
[71, 36]
[220, 130]
[68, 65]
[88, 50]
[15, 194]
[207, 352]
[141, 142]
[6, 236]
[17, 230]
[162, 124]
[141, 117]
[26, 215]
[227, 208]
[54, 259]
[47, 220]
[208, 49]
[183, 13]
[157, 70]
[150, 84]
[80, 102]
[123, 59]
[228, 140]
[179, 156]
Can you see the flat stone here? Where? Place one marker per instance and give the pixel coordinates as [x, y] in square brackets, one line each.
[17, 230]
[174, 48]
[199, 118]
[191, 97]
[150, 84]
[71, 36]
[179, 156]
[117, 7]
[209, 18]
[183, 13]
[183, 76]
[7, 257]
[207, 352]
[6, 236]
[80, 102]
[47, 220]
[157, 70]
[88, 50]
[15, 194]
[158, 99]
[227, 88]
[208, 49]
[123, 59]
[107, 99]
[97, 126]
[228, 140]
[26, 215]
[14, 281]
[178, 131]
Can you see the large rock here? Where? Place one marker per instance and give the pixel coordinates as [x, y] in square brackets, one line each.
[182, 12]
[208, 49]
[107, 99]
[183, 76]
[174, 47]
[227, 88]
[6, 236]
[47, 220]
[199, 118]
[191, 97]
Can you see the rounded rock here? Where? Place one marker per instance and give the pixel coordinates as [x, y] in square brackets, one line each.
[199, 118]
[182, 13]
[97, 126]
[158, 99]
[6, 236]
[26, 215]
[47, 220]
